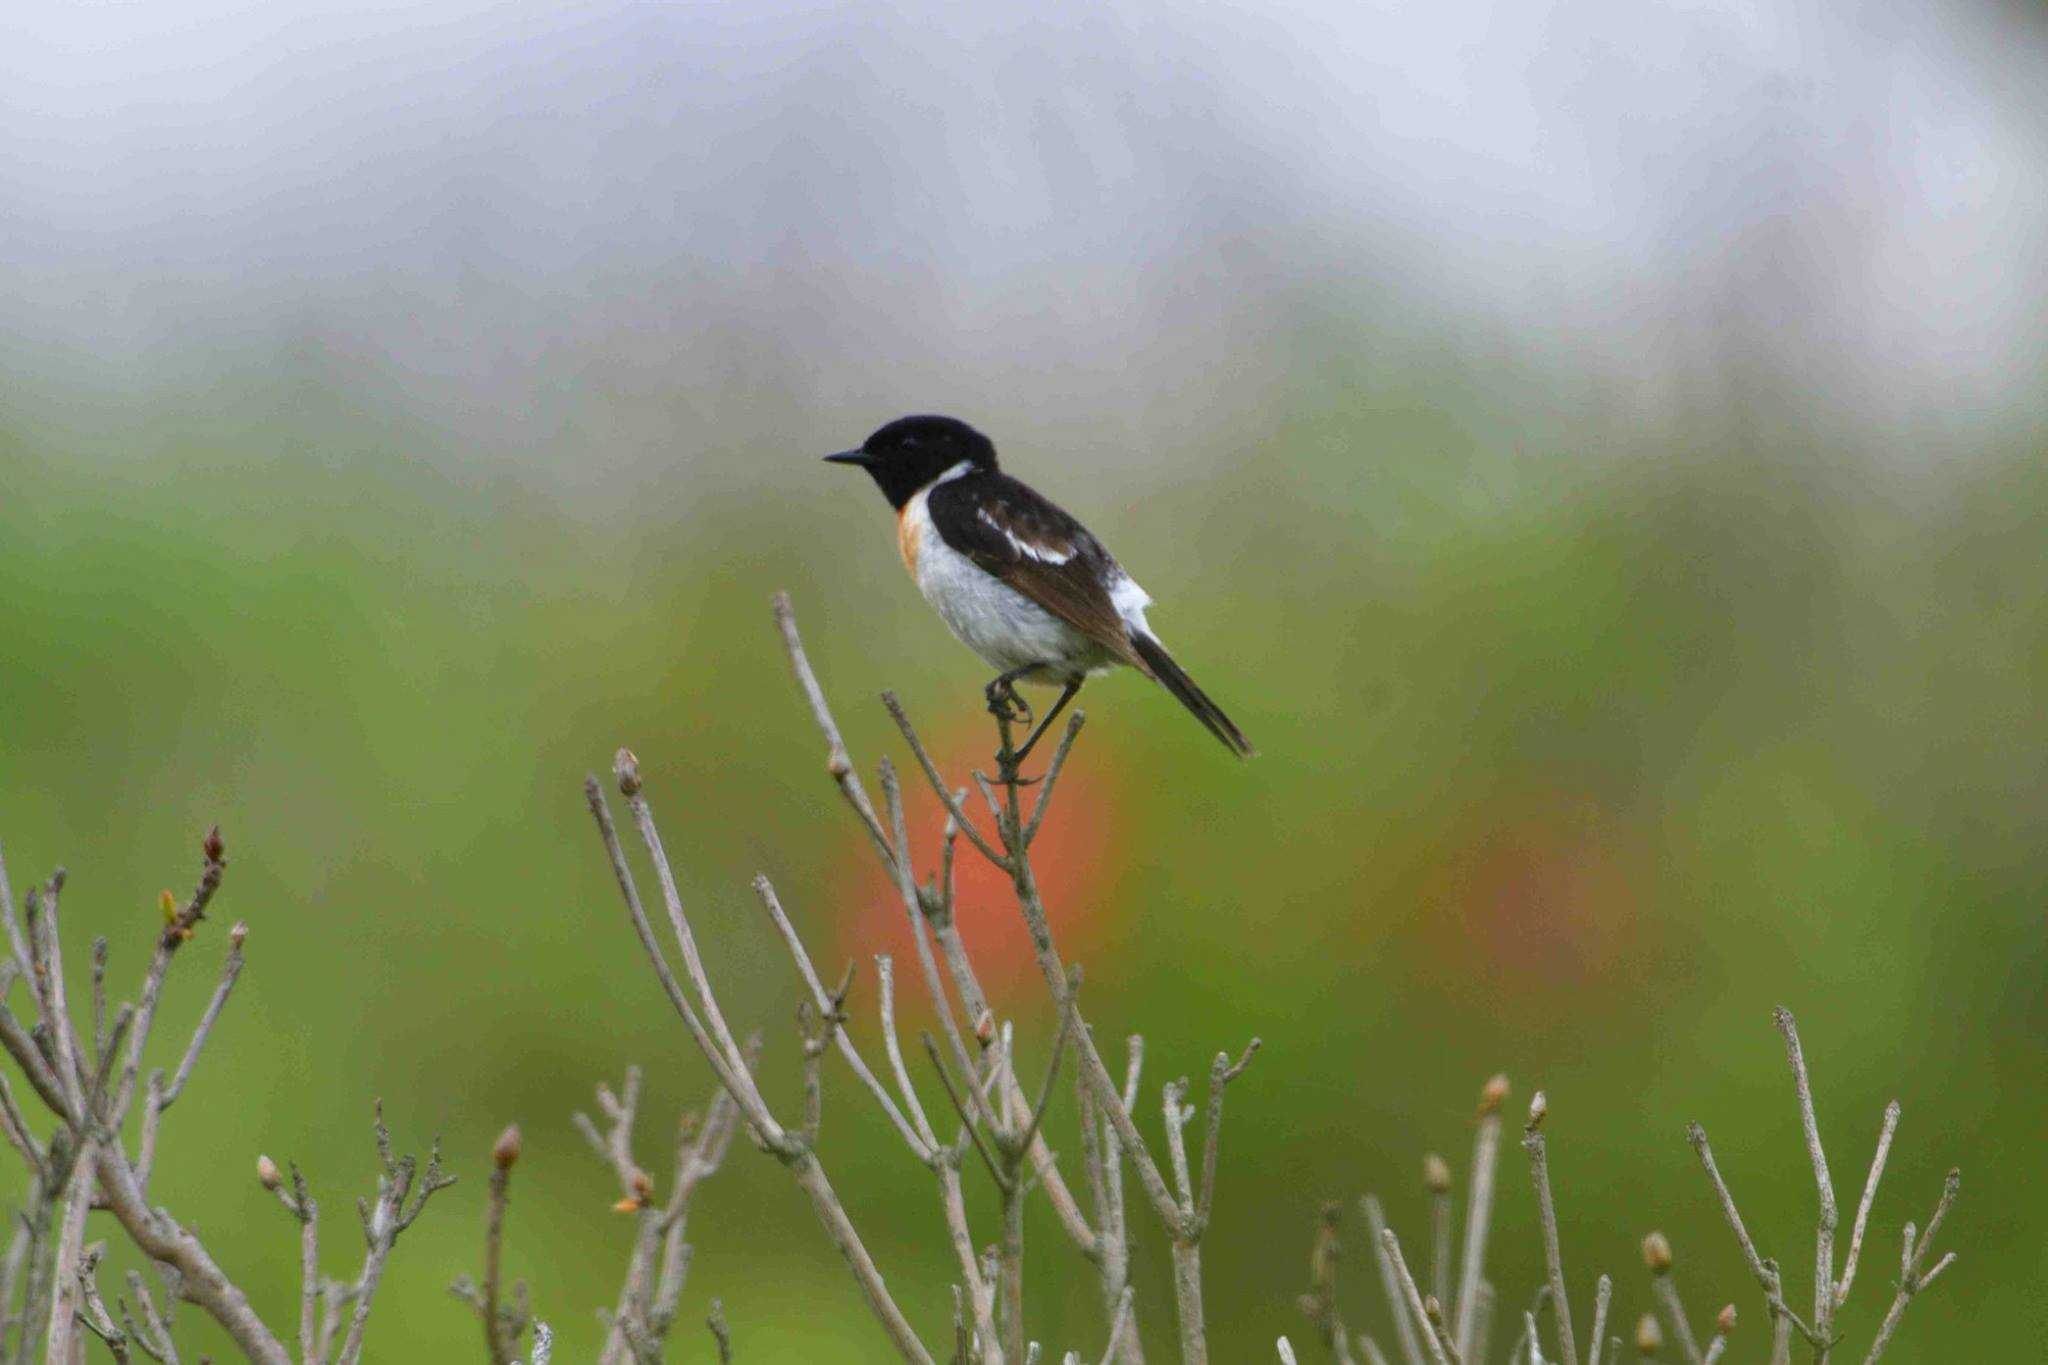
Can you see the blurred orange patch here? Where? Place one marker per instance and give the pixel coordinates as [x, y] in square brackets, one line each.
[1540, 885]
[1074, 861]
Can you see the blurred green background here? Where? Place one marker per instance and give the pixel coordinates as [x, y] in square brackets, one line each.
[1638, 608]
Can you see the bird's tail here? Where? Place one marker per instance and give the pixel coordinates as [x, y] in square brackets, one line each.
[1174, 679]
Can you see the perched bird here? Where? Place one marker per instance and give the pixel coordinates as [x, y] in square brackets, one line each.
[1019, 581]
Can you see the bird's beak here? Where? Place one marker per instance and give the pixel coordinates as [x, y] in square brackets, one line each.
[859, 457]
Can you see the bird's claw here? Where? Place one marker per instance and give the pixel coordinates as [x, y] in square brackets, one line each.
[1006, 704]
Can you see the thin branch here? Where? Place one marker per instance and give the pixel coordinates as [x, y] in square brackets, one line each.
[501, 1329]
[626, 768]
[1657, 1256]
[945, 929]
[155, 1336]
[200, 1279]
[230, 971]
[969, 1123]
[1117, 1323]
[92, 1311]
[600, 811]
[1320, 1302]
[906, 888]
[1724, 1328]
[1877, 1161]
[1824, 1227]
[1436, 1180]
[946, 797]
[723, 1056]
[1766, 1272]
[1441, 1350]
[47, 952]
[1029, 1135]
[837, 761]
[914, 1138]
[721, 1335]
[15, 1124]
[1482, 1332]
[1052, 777]
[1603, 1296]
[885, 972]
[1546, 1210]
[1479, 1215]
[17, 945]
[403, 1190]
[1912, 1279]
[180, 924]
[67, 1301]
[1222, 1072]
[1405, 1323]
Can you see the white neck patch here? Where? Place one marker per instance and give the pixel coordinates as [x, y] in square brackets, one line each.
[958, 471]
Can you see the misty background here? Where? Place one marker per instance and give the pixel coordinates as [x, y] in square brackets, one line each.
[1595, 450]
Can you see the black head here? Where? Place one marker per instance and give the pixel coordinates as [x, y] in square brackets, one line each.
[910, 452]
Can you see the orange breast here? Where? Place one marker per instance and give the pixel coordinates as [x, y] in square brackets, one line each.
[907, 537]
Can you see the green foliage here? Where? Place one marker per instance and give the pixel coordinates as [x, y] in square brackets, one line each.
[1575, 761]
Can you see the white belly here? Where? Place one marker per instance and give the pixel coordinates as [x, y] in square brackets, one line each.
[1007, 629]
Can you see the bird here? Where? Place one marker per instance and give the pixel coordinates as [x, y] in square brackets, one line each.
[1017, 580]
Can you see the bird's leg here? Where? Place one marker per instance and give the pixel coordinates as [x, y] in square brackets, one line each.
[1018, 758]
[1005, 703]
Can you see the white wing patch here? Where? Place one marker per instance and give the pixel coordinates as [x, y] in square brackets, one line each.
[1130, 600]
[1044, 554]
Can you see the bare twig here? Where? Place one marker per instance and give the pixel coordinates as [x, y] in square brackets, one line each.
[1052, 777]
[1406, 1324]
[721, 1335]
[1118, 1321]
[1766, 1272]
[1436, 1180]
[154, 1338]
[644, 930]
[67, 1302]
[1479, 1214]
[1724, 1327]
[946, 796]
[1824, 1228]
[92, 1309]
[1546, 1210]
[714, 1040]
[659, 1261]
[1222, 1072]
[1603, 1296]
[1482, 1334]
[403, 1190]
[1441, 1349]
[17, 945]
[1657, 1256]
[1912, 1279]
[180, 925]
[1877, 1161]
[230, 972]
[914, 1138]
[15, 1125]
[1319, 1303]
[503, 1325]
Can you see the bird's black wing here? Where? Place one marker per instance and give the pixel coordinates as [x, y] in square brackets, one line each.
[1037, 549]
